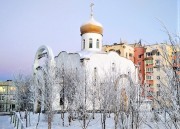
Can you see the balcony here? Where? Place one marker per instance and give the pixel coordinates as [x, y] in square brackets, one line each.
[149, 65]
[149, 82]
[148, 58]
[149, 72]
[156, 65]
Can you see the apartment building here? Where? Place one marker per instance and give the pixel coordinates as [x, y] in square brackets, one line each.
[176, 62]
[176, 69]
[7, 96]
[152, 61]
[157, 59]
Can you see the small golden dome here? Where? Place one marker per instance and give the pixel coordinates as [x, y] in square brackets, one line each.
[91, 26]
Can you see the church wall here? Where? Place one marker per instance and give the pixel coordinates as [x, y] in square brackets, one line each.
[85, 70]
[103, 64]
[71, 65]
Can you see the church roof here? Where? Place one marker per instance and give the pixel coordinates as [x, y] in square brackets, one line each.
[91, 26]
[88, 54]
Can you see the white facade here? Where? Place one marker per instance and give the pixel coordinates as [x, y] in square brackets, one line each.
[89, 65]
[91, 42]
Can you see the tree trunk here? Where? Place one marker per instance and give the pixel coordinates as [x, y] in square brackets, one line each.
[104, 120]
[115, 120]
[26, 113]
[29, 118]
[49, 121]
[84, 121]
[38, 120]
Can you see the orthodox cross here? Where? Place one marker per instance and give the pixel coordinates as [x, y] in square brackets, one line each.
[91, 5]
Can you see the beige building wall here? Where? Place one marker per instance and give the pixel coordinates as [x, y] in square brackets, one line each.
[122, 49]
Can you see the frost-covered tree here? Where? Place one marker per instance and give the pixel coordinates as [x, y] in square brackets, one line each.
[23, 91]
[47, 89]
[166, 101]
[168, 97]
[24, 95]
[69, 82]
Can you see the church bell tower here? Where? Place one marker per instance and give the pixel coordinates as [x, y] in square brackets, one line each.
[91, 34]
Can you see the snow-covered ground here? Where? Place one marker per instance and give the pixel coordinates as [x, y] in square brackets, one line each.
[5, 122]
[146, 123]
[75, 124]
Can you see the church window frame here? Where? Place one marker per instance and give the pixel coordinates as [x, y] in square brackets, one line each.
[113, 66]
[97, 43]
[84, 44]
[90, 43]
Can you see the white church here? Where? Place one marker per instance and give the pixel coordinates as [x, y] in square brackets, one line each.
[87, 69]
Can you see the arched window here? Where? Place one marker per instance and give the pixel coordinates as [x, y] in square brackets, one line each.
[90, 43]
[97, 43]
[83, 43]
[113, 66]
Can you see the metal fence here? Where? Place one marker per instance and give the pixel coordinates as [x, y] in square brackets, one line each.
[16, 120]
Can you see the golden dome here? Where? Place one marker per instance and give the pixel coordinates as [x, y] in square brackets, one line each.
[91, 26]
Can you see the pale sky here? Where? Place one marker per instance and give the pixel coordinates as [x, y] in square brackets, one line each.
[25, 25]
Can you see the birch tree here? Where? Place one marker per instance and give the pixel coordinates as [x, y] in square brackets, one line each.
[46, 83]
[166, 111]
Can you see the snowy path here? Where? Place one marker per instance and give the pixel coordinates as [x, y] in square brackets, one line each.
[5, 122]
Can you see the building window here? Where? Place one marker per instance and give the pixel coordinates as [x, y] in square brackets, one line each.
[150, 85]
[157, 62]
[158, 77]
[14, 97]
[157, 53]
[83, 43]
[149, 62]
[126, 54]
[118, 51]
[158, 93]
[90, 43]
[130, 54]
[149, 93]
[158, 85]
[148, 54]
[149, 77]
[2, 97]
[97, 43]
[111, 50]
[149, 69]
[139, 56]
